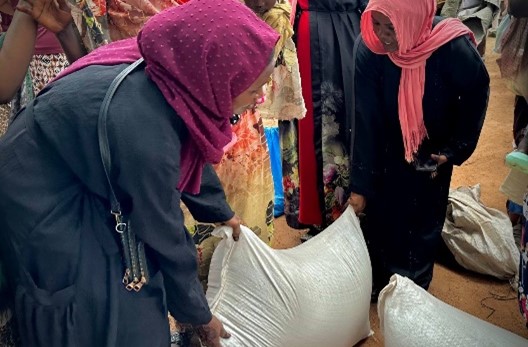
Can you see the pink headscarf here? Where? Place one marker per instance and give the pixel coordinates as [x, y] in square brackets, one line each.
[201, 55]
[417, 39]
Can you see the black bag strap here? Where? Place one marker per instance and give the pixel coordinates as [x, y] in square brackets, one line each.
[102, 133]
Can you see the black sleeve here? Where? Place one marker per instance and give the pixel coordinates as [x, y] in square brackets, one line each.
[146, 155]
[210, 205]
[363, 5]
[367, 144]
[470, 84]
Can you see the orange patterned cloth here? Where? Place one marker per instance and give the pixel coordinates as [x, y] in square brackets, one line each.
[245, 173]
[127, 17]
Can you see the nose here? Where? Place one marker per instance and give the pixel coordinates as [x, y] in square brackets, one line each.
[379, 31]
[384, 35]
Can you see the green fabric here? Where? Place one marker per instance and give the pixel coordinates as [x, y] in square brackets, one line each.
[518, 161]
[2, 36]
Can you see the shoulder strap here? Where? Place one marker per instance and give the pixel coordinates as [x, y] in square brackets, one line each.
[102, 133]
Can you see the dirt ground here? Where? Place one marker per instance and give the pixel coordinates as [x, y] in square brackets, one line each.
[488, 299]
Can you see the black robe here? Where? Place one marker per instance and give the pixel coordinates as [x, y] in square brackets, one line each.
[55, 224]
[406, 208]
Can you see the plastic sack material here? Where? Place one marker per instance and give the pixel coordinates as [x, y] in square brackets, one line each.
[480, 238]
[411, 317]
[316, 294]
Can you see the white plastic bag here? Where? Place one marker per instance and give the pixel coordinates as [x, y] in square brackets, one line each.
[411, 317]
[316, 294]
[480, 238]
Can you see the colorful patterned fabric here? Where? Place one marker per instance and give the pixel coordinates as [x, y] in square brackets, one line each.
[330, 27]
[290, 170]
[44, 68]
[284, 98]
[91, 19]
[127, 17]
[245, 173]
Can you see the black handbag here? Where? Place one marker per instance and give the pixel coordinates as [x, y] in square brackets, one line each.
[136, 273]
[518, 8]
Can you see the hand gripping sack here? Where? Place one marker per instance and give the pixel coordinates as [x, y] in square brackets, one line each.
[411, 317]
[480, 238]
[316, 294]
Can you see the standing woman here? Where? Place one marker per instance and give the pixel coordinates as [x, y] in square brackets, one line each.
[317, 178]
[421, 93]
[167, 122]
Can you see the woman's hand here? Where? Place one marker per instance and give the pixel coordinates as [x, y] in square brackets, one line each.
[235, 224]
[54, 15]
[358, 202]
[211, 333]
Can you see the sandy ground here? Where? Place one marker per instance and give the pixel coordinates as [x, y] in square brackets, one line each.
[483, 297]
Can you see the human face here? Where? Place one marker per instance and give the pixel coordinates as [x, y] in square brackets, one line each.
[248, 99]
[385, 32]
[260, 6]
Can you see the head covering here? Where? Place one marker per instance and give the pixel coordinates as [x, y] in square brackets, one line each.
[417, 40]
[201, 55]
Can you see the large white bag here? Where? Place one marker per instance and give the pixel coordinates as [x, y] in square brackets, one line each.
[316, 294]
[480, 238]
[411, 317]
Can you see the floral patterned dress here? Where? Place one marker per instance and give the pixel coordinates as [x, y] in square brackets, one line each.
[245, 173]
[315, 148]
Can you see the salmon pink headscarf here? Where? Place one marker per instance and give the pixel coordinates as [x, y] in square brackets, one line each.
[417, 40]
[201, 55]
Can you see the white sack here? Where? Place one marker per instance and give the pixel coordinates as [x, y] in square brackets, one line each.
[316, 294]
[411, 317]
[480, 238]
